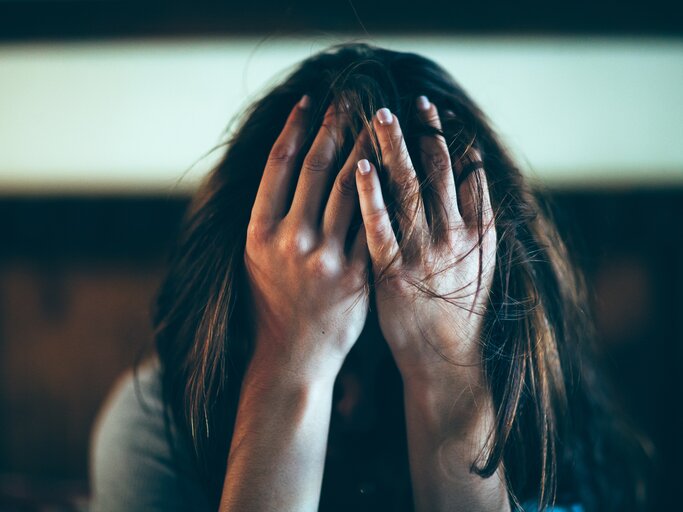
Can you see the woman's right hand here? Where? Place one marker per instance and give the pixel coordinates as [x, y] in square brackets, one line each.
[308, 294]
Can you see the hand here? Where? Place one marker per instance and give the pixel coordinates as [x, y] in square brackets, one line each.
[308, 293]
[428, 336]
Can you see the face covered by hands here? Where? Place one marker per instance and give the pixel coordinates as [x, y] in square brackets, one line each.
[432, 288]
[307, 288]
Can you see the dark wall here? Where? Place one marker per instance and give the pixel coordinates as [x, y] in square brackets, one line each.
[60, 19]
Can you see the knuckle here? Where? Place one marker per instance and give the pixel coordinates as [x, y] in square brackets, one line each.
[432, 116]
[375, 216]
[323, 264]
[366, 186]
[329, 120]
[395, 139]
[474, 155]
[346, 184]
[258, 233]
[440, 163]
[377, 225]
[295, 243]
[316, 162]
[397, 281]
[331, 124]
[357, 276]
[282, 153]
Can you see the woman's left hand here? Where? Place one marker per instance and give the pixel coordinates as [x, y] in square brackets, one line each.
[430, 337]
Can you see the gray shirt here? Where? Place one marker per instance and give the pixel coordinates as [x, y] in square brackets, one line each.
[131, 463]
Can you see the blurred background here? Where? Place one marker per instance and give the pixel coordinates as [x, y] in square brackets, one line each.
[110, 112]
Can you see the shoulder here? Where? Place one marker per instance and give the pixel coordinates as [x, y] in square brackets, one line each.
[132, 465]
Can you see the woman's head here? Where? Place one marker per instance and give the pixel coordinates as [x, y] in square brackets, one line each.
[535, 326]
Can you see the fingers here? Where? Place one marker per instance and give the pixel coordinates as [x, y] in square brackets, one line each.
[401, 173]
[381, 240]
[360, 255]
[343, 200]
[317, 167]
[271, 201]
[470, 181]
[436, 161]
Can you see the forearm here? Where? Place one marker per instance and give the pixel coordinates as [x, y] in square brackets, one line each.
[447, 424]
[278, 448]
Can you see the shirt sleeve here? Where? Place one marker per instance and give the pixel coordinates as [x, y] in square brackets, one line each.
[132, 467]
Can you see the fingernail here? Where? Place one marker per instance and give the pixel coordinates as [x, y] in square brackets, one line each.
[364, 166]
[423, 103]
[304, 102]
[384, 116]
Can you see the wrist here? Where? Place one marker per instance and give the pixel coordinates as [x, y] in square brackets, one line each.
[436, 359]
[286, 398]
[458, 397]
[439, 372]
[267, 370]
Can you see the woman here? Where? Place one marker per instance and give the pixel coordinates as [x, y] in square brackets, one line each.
[367, 309]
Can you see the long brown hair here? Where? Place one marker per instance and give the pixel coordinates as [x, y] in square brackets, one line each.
[554, 433]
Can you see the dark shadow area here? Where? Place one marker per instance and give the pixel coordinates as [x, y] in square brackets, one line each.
[92, 19]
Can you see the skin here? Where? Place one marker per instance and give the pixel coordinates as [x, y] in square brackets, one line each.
[310, 303]
[434, 342]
